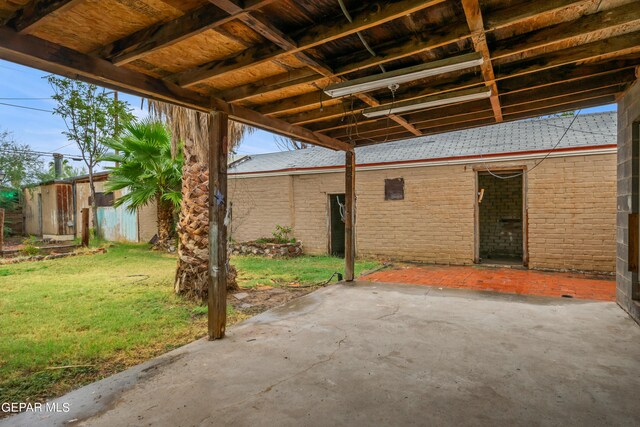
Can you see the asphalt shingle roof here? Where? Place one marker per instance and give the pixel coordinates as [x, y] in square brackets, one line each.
[526, 135]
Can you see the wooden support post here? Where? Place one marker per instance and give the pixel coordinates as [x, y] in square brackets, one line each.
[350, 216]
[85, 227]
[218, 211]
[1, 231]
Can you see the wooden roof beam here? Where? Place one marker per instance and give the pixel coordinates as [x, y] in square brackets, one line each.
[164, 34]
[590, 25]
[590, 52]
[476, 25]
[426, 42]
[276, 36]
[483, 120]
[54, 58]
[269, 85]
[305, 39]
[626, 46]
[546, 84]
[469, 111]
[35, 11]
[525, 11]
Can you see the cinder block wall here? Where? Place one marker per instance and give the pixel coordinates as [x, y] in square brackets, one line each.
[501, 215]
[258, 205]
[627, 292]
[571, 211]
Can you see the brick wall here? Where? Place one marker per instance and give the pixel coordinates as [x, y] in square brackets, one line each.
[627, 288]
[500, 216]
[571, 211]
[258, 205]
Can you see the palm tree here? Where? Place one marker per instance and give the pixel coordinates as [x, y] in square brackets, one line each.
[190, 129]
[146, 168]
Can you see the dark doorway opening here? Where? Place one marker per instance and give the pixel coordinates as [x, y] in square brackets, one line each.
[500, 204]
[336, 224]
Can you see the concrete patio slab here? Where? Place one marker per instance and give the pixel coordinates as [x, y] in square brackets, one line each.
[385, 354]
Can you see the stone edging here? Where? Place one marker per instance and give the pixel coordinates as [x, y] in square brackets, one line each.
[18, 260]
[271, 250]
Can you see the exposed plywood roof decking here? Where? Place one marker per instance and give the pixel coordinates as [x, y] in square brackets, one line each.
[266, 62]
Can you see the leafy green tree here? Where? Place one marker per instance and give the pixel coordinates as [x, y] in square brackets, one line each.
[146, 169]
[92, 116]
[20, 165]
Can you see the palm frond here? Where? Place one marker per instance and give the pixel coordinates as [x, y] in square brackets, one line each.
[145, 166]
[191, 128]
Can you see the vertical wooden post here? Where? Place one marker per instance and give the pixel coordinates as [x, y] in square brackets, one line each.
[1, 231]
[218, 211]
[85, 227]
[350, 216]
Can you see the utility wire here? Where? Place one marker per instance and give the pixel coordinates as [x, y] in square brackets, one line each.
[39, 153]
[25, 99]
[25, 107]
[358, 33]
[566, 131]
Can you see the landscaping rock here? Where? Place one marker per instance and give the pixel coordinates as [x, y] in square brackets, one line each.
[241, 295]
[269, 250]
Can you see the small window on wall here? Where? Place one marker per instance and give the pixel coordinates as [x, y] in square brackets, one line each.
[103, 199]
[394, 189]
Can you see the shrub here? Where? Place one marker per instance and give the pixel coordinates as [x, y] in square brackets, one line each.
[281, 235]
[30, 248]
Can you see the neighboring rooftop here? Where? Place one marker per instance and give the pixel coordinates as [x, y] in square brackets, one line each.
[589, 130]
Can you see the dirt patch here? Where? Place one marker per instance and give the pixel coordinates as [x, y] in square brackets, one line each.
[252, 301]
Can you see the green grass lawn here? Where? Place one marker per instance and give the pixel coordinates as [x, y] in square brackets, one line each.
[254, 271]
[67, 322]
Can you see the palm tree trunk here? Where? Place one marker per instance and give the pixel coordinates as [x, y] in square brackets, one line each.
[164, 212]
[193, 232]
[191, 129]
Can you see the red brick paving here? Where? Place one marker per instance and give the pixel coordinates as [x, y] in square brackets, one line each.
[508, 280]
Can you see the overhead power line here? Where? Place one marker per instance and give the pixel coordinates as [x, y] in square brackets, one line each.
[25, 107]
[40, 153]
[26, 99]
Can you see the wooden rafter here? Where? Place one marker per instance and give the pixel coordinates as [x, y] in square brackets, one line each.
[525, 11]
[163, 34]
[589, 24]
[563, 51]
[488, 120]
[308, 38]
[269, 85]
[544, 80]
[28, 50]
[35, 11]
[512, 103]
[286, 43]
[592, 52]
[476, 25]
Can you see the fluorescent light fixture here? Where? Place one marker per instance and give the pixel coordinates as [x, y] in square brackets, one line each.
[428, 101]
[378, 81]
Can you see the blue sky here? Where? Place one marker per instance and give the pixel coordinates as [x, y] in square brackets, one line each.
[42, 131]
